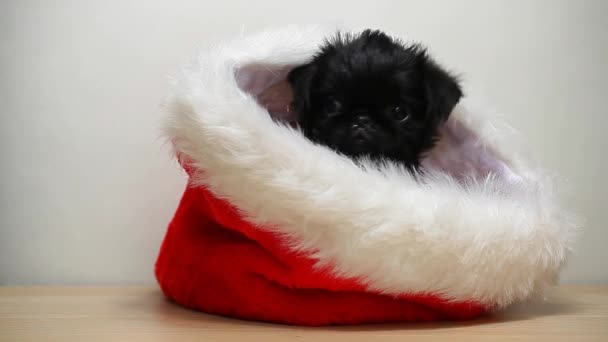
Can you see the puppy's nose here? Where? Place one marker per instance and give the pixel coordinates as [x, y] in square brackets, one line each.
[360, 120]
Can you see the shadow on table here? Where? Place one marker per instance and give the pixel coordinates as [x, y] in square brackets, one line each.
[517, 312]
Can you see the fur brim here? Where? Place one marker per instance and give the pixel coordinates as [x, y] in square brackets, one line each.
[494, 236]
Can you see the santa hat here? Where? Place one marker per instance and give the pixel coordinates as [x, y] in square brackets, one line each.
[275, 228]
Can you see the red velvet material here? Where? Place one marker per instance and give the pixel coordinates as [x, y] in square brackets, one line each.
[213, 261]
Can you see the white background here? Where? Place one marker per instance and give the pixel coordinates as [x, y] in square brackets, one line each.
[87, 186]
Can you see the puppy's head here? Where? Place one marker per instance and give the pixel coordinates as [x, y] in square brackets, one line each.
[368, 94]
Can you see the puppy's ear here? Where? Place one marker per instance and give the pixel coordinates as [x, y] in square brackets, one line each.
[442, 91]
[301, 79]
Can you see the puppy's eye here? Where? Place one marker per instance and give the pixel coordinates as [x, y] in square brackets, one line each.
[332, 106]
[400, 113]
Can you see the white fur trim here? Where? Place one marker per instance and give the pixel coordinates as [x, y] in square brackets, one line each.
[492, 238]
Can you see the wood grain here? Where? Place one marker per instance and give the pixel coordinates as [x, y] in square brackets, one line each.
[142, 314]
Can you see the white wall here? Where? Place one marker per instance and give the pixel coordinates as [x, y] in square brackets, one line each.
[87, 187]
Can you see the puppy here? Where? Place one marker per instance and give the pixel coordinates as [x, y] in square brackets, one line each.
[370, 95]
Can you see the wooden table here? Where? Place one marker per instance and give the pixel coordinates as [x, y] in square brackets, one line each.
[142, 314]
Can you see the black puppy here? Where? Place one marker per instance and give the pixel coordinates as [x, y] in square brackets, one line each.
[369, 94]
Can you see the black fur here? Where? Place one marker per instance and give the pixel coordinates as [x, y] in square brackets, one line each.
[369, 94]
